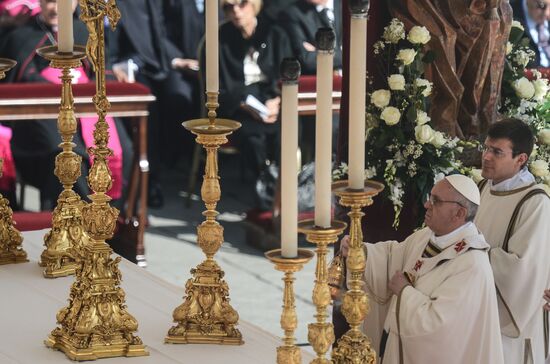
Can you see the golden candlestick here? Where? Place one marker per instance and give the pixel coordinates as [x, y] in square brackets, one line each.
[96, 323]
[289, 353]
[205, 316]
[11, 250]
[354, 346]
[67, 234]
[321, 334]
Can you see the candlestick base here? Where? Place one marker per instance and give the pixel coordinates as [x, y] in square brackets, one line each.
[321, 333]
[354, 346]
[6, 65]
[289, 353]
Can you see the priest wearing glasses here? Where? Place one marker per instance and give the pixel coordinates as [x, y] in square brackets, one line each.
[432, 296]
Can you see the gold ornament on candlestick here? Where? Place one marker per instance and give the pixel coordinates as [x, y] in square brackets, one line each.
[11, 250]
[321, 333]
[67, 235]
[205, 316]
[289, 353]
[354, 346]
[96, 323]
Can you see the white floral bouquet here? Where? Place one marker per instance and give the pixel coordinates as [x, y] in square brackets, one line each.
[403, 150]
[527, 99]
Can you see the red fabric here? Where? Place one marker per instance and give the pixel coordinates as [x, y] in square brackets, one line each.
[27, 221]
[543, 70]
[7, 181]
[308, 83]
[15, 7]
[44, 90]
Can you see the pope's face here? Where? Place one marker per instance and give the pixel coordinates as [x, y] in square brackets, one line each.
[498, 162]
[442, 208]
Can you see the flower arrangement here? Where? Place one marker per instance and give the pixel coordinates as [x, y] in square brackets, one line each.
[528, 100]
[403, 150]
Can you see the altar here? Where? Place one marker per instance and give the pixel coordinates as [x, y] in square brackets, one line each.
[30, 303]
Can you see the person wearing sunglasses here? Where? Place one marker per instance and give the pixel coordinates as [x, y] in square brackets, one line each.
[251, 50]
[433, 296]
[534, 15]
[514, 217]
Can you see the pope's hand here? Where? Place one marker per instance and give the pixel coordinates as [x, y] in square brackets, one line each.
[398, 282]
[344, 246]
[547, 298]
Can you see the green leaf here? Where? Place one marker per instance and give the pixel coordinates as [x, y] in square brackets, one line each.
[429, 57]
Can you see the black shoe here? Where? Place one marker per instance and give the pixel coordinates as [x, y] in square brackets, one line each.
[155, 199]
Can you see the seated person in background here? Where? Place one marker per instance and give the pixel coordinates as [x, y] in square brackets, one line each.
[433, 295]
[141, 51]
[302, 19]
[251, 51]
[534, 15]
[35, 143]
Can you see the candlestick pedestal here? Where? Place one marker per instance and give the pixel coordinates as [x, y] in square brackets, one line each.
[354, 346]
[96, 323]
[205, 316]
[321, 333]
[289, 353]
[66, 237]
[11, 250]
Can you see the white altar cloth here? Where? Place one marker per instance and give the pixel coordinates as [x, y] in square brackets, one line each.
[29, 304]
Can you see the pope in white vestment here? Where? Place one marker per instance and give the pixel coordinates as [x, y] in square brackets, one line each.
[521, 263]
[448, 314]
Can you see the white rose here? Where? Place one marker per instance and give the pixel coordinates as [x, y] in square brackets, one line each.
[517, 24]
[541, 88]
[544, 136]
[394, 32]
[524, 88]
[420, 82]
[422, 117]
[423, 133]
[475, 174]
[419, 35]
[509, 47]
[396, 82]
[438, 140]
[539, 168]
[390, 115]
[406, 56]
[380, 98]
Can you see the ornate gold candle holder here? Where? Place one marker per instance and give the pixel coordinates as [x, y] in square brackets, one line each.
[289, 353]
[205, 316]
[11, 250]
[321, 334]
[67, 234]
[96, 323]
[354, 346]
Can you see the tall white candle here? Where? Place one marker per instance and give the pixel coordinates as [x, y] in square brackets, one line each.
[323, 136]
[357, 90]
[212, 62]
[289, 166]
[65, 38]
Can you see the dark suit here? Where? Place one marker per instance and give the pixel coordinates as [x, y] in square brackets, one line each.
[301, 21]
[521, 16]
[141, 36]
[255, 138]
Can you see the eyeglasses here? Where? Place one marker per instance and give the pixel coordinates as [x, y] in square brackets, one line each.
[498, 153]
[228, 7]
[436, 201]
